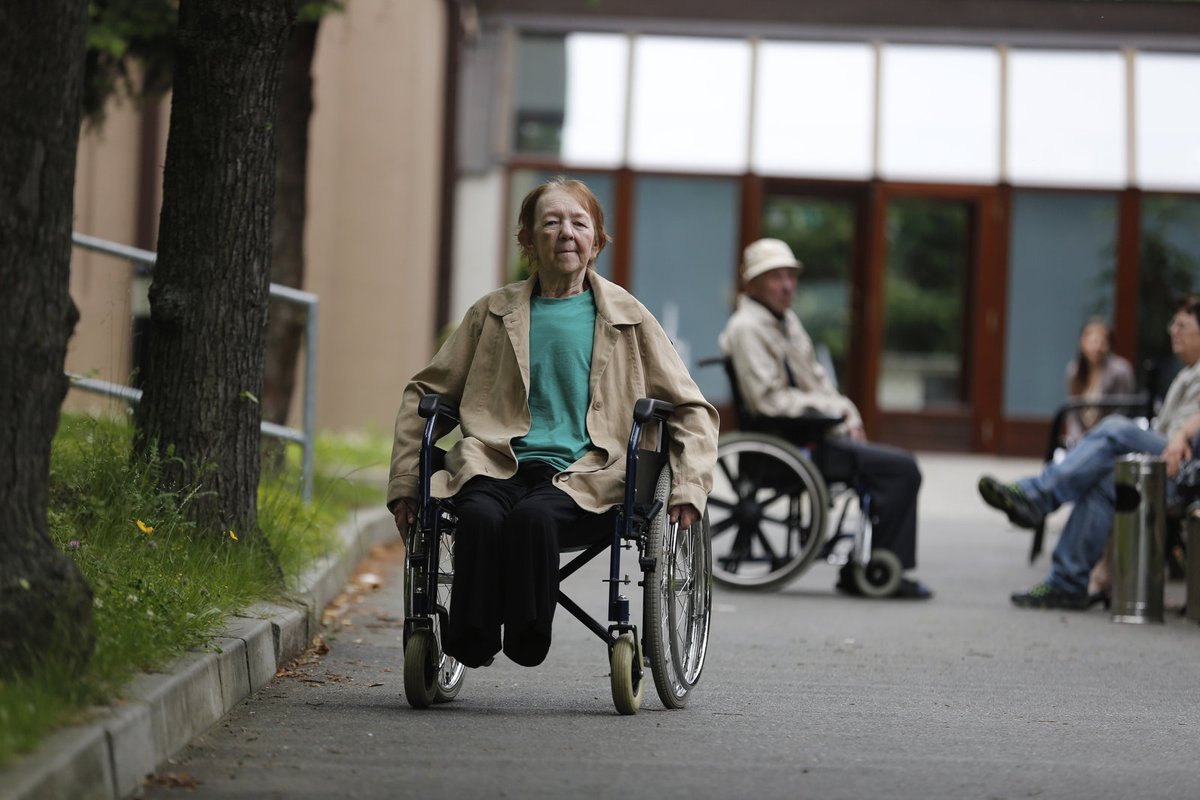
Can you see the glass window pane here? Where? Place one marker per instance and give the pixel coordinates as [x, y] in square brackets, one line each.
[685, 254]
[928, 261]
[813, 109]
[1060, 273]
[690, 104]
[1169, 269]
[594, 129]
[820, 231]
[940, 114]
[1066, 118]
[1168, 120]
[570, 97]
[541, 94]
[523, 181]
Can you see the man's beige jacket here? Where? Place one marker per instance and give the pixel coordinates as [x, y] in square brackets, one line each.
[485, 366]
[759, 344]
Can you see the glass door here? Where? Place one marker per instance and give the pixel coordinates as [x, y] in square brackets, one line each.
[821, 230]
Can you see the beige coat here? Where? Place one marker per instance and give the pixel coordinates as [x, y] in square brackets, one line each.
[759, 343]
[485, 365]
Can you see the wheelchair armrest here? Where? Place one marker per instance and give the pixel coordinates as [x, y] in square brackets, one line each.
[807, 428]
[435, 405]
[647, 408]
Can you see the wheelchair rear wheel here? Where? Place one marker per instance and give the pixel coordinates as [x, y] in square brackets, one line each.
[430, 676]
[769, 510]
[677, 600]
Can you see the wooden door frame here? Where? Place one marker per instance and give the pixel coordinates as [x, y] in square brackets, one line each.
[974, 428]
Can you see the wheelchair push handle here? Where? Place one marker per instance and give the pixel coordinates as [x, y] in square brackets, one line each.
[433, 405]
[647, 408]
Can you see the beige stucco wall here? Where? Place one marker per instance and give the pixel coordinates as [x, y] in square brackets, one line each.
[105, 206]
[371, 239]
[373, 204]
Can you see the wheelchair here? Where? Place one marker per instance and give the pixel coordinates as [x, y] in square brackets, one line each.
[776, 489]
[676, 567]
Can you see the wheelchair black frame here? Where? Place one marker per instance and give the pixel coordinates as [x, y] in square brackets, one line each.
[629, 524]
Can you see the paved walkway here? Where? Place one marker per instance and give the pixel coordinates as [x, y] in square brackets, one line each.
[806, 694]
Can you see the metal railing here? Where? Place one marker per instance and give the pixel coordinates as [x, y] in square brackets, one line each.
[143, 260]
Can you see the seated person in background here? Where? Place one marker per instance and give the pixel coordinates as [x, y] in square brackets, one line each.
[779, 376]
[546, 374]
[1085, 475]
[1095, 373]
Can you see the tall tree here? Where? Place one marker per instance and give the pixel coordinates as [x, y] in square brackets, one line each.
[208, 298]
[44, 600]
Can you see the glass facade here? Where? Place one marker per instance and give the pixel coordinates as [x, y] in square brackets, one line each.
[685, 257]
[1060, 273]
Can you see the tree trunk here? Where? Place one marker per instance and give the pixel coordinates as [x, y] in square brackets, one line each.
[208, 298]
[45, 603]
[285, 325]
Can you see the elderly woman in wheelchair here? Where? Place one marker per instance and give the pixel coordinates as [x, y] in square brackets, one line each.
[549, 381]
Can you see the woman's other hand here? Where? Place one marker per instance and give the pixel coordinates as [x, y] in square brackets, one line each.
[685, 515]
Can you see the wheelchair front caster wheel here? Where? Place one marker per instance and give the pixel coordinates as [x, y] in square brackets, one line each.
[626, 688]
[881, 576]
[420, 669]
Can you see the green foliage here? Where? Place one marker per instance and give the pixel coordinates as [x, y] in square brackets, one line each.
[160, 586]
[131, 51]
[131, 48]
[1169, 267]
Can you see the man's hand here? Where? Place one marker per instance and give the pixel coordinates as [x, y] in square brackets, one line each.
[405, 513]
[1179, 450]
[686, 515]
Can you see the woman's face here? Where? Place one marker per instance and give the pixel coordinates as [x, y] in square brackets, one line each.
[1093, 343]
[563, 234]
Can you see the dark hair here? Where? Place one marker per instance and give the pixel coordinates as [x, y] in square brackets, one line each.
[1189, 303]
[577, 189]
[1083, 367]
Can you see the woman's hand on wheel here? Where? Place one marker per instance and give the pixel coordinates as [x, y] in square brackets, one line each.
[685, 515]
[405, 513]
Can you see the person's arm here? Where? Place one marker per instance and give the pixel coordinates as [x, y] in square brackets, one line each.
[445, 374]
[1179, 446]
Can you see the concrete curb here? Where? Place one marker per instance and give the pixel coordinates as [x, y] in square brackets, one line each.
[108, 757]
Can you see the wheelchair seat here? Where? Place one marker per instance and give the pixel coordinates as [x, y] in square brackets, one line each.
[676, 580]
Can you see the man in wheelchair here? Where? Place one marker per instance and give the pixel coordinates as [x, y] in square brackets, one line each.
[545, 374]
[779, 376]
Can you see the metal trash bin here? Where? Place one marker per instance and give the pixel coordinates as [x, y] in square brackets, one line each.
[1191, 541]
[1139, 538]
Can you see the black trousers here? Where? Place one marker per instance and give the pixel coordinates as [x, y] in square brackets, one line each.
[506, 554]
[893, 479]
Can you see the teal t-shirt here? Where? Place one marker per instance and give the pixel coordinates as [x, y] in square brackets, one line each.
[560, 362]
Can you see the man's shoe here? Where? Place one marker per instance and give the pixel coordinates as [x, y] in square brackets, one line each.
[912, 590]
[1011, 499]
[1046, 596]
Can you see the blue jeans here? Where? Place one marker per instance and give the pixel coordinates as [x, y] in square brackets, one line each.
[1085, 477]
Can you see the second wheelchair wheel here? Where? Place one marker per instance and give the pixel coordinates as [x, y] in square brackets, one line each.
[677, 600]
[446, 673]
[881, 576]
[769, 509]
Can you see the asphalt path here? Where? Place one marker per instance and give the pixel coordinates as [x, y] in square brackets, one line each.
[805, 693]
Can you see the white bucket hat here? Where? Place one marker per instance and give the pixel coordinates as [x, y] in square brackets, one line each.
[766, 255]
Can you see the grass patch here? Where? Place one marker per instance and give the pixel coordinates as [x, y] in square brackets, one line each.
[160, 586]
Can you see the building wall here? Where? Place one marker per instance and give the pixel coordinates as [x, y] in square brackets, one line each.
[374, 182]
[371, 238]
